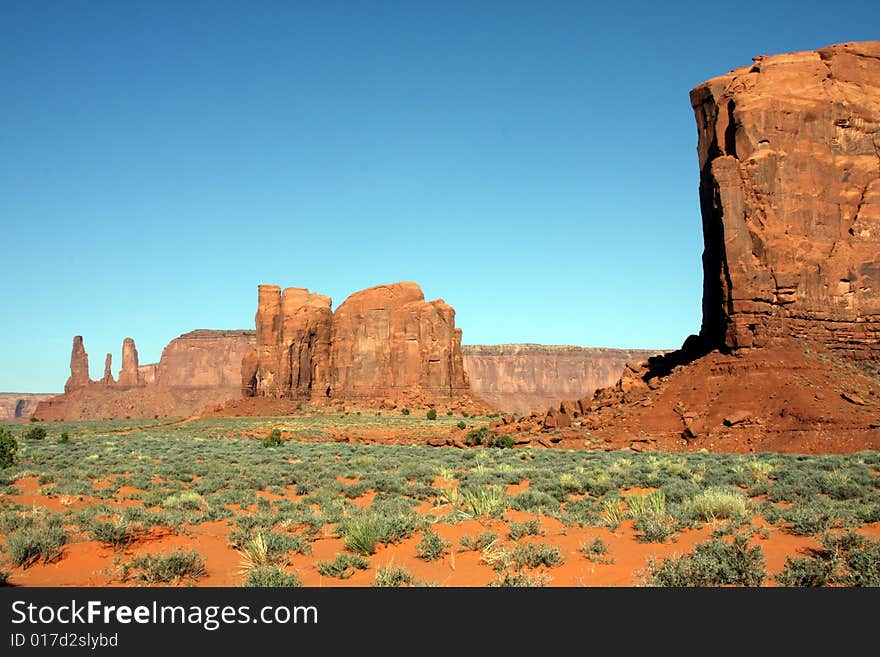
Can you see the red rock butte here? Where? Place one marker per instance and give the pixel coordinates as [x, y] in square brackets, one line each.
[789, 152]
[382, 342]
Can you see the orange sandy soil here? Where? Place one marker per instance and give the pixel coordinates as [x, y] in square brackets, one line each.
[90, 563]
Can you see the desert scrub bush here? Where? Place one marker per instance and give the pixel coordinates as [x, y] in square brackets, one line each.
[476, 437]
[810, 517]
[531, 555]
[655, 528]
[534, 501]
[116, 534]
[510, 579]
[461, 424]
[596, 550]
[35, 543]
[270, 577]
[165, 569]
[343, 566]
[392, 576]
[478, 542]
[612, 512]
[186, 500]
[525, 528]
[431, 414]
[273, 439]
[64, 438]
[404, 411]
[8, 448]
[713, 563]
[364, 531]
[35, 433]
[482, 502]
[848, 559]
[715, 504]
[432, 546]
[4, 577]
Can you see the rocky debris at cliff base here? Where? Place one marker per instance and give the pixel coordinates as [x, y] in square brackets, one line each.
[783, 397]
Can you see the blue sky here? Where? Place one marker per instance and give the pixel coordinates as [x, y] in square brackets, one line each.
[532, 163]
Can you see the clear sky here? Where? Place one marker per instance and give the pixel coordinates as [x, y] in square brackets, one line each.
[532, 163]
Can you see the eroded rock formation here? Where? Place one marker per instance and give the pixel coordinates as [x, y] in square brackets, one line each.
[201, 359]
[292, 357]
[789, 152]
[528, 377]
[128, 375]
[108, 373]
[381, 342]
[20, 406]
[387, 340]
[79, 366]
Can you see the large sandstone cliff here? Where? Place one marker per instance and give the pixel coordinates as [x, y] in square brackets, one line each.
[789, 153]
[529, 377]
[20, 406]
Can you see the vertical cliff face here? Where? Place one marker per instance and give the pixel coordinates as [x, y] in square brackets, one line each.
[531, 377]
[79, 366]
[789, 153]
[379, 342]
[292, 357]
[387, 339]
[200, 359]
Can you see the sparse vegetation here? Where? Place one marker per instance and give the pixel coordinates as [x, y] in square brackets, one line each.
[392, 576]
[432, 546]
[8, 448]
[343, 566]
[173, 567]
[431, 414]
[35, 433]
[35, 543]
[714, 563]
[273, 439]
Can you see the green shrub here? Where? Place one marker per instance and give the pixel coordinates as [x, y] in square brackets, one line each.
[116, 534]
[404, 411]
[271, 576]
[716, 504]
[8, 448]
[519, 579]
[461, 424]
[476, 437]
[806, 572]
[155, 569]
[654, 528]
[35, 433]
[273, 439]
[713, 563]
[596, 550]
[31, 544]
[525, 528]
[431, 414]
[500, 442]
[343, 566]
[530, 555]
[479, 542]
[432, 546]
[364, 531]
[64, 438]
[393, 576]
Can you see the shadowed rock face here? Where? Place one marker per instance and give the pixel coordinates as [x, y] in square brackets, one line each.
[20, 406]
[530, 377]
[789, 153]
[381, 341]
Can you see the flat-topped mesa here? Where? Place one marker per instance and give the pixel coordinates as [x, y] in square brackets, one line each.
[388, 340]
[201, 359]
[79, 366]
[129, 376]
[789, 153]
[381, 342]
